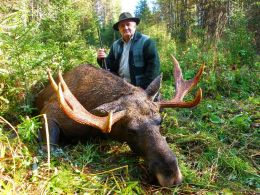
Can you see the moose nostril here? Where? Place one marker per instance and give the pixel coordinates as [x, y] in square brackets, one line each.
[169, 181]
[178, 178]
[177, 181]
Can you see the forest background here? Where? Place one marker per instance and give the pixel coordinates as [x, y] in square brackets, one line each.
[217, 143]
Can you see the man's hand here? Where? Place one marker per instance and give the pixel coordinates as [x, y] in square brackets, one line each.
[101, 54]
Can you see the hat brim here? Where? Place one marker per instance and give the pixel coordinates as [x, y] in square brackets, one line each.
[136, 20]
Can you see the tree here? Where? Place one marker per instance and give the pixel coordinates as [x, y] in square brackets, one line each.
[213, 16]
[107, 12]
[253, 15]
[144, 13]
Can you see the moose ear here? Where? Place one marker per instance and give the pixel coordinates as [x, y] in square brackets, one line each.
[104, 109]
[153, 89]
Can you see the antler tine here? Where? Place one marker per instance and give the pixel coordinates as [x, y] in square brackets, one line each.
[181, 104]
[69, 97]
[183, 87]
[53, 83]
[73, 109]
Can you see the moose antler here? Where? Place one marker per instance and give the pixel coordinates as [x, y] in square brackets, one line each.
[182, 88]
[73, 109]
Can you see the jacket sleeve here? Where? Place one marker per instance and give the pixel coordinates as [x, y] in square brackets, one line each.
[152, 62]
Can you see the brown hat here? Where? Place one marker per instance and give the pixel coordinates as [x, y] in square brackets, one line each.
[125, 16]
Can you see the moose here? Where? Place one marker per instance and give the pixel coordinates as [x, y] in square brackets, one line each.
[88, 101]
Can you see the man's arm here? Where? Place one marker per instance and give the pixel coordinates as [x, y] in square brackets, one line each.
[152, 61]
[110, 60]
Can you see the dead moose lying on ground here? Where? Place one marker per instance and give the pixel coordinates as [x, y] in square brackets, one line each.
[93, 102]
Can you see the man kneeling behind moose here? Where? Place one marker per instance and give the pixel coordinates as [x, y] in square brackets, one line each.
[134, 56]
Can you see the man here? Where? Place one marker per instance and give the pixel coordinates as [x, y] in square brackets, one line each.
[134, 56]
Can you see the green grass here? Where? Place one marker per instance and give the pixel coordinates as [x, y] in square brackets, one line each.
[217, 147]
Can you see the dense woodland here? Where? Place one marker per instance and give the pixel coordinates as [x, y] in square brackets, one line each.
[217, 143]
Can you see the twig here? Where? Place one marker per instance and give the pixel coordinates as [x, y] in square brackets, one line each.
[13, 128]
[214, 166]
[8, 179]
[254, 163]
[112, 170]
[117, 184]
[48, 140]
[13, 156]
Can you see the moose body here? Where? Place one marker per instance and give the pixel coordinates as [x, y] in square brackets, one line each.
[92, 87]
[133, 116]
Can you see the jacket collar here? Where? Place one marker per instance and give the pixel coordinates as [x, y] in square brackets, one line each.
[137, 36]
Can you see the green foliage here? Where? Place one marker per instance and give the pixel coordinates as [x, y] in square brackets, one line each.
[213, 143]
[85, 154]
[222, 77]
[27, 50]
[28, 129]
[108, 35]
[237, 44]
[60, 21]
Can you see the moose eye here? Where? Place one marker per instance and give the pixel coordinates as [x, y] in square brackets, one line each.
[158, 121]
[132, 131]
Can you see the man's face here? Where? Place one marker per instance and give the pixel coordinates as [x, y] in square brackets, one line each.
[127, 29]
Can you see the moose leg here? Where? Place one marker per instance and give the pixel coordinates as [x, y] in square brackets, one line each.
[54, 134]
